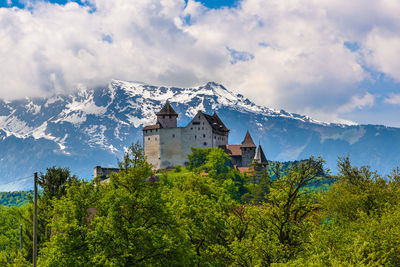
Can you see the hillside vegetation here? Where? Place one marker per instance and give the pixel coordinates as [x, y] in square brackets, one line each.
[15, 199]
[183, 217]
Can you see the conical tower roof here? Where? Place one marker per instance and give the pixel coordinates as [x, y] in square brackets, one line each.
[167, 110]
[248, 141]
[260, 156]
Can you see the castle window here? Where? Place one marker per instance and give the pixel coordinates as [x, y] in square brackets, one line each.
[202, 128]
[151, 131]
[169, 116]
[163, 117]
[199, 128]
[204, 135]
[148, 139]
[173, 136]
[205, 143]
[215, 137]
[195, 136]
[196, 123]
[155, 138]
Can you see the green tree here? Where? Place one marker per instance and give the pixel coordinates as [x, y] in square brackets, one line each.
[54, 181]
[133, 157]
[132, 225]
[217, 163]
[357, 189]
[69, 243]
[197, 158]
[201, 207]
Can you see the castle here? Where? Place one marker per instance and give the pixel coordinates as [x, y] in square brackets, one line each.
[166, 145]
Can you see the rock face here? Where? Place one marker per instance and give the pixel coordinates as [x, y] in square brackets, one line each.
[93, 126]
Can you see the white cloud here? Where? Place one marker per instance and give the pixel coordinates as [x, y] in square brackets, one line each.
[393, 99]
[287, 54]
[358, 102]
[382, 48]
[9, 2]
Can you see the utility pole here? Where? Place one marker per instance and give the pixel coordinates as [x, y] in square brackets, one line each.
[20, 236]
[35, 221]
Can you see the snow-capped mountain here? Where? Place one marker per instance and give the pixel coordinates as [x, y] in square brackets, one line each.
[93, 126]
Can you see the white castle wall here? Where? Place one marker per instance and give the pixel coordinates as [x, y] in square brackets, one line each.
[167, 147]
[151, 146]
[171, 147]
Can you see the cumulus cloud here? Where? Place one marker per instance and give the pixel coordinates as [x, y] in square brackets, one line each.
[282, 54]
[358, 102]
[393, 99]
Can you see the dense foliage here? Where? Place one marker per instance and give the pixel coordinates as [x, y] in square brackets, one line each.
[186, 217]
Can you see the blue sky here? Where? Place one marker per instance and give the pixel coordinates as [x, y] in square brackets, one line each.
[208, 3]
[334, 60]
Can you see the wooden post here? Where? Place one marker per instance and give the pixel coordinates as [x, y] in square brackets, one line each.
[35, 222]
[20, 236]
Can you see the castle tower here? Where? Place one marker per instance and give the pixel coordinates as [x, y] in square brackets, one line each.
[167, 117]
[248, 150]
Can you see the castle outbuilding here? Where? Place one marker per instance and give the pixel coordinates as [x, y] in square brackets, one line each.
[166, 145]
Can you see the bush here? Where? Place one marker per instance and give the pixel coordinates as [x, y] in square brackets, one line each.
[177, 168]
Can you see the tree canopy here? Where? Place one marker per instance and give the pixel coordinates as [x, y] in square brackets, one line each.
[296, 214]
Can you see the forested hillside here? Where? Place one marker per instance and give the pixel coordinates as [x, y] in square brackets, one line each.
[211, 215]
[15, 199]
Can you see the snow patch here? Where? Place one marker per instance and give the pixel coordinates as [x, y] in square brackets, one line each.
[74, 118]
[32, 108]
[13, 126]
[137, 122]
[86, 106]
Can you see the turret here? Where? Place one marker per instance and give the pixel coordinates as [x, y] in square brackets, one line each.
[260, 157]
[260, 164]
[167, 117]
[248, 150]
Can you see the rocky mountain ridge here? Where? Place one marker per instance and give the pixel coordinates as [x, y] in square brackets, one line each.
[93, 126]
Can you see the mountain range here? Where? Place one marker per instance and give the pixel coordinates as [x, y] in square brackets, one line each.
[93, 127]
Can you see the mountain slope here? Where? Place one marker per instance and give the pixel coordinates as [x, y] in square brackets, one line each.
[93, 126]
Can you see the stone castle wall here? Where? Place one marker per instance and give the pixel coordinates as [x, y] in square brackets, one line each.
[248, 154]
[151, 145]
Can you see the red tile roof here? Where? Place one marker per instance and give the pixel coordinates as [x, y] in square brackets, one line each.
[244, 169]
[232, 150]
